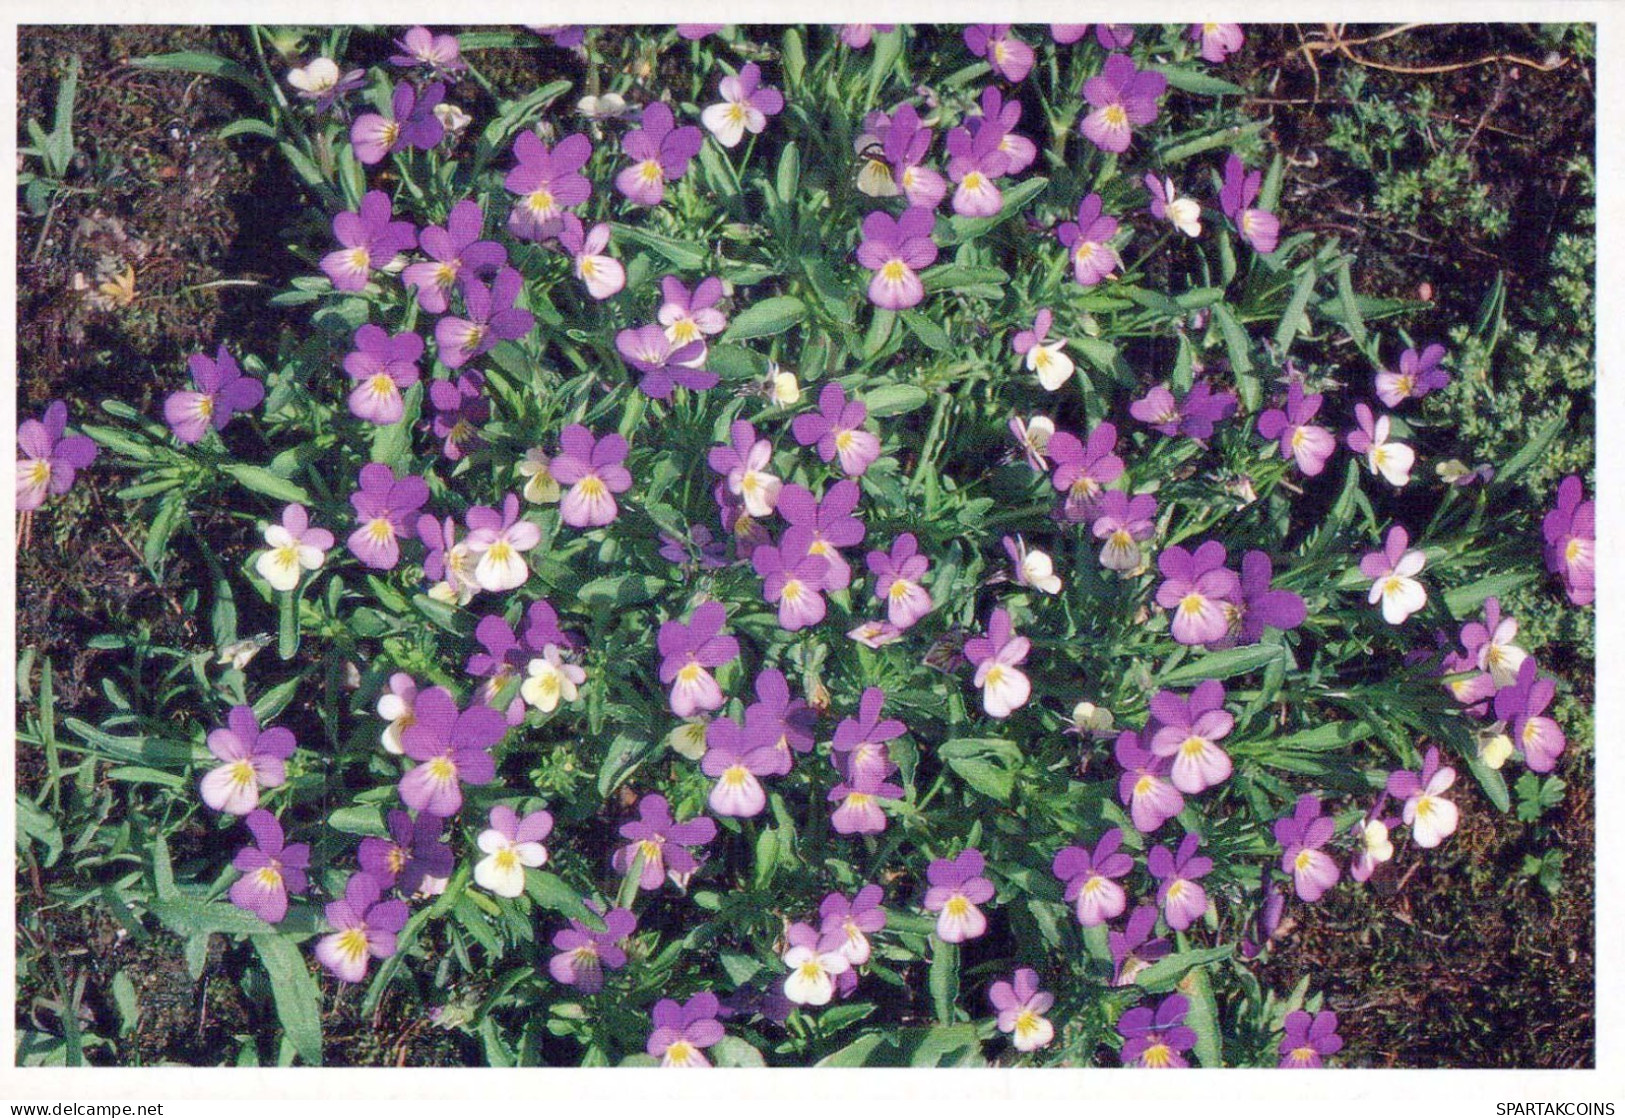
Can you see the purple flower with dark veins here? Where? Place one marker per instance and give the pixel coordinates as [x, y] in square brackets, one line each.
[370, 239]
[660, 152]
[1199, 592]
[1301, 835]
[1180, 893]
[776, 717]
[1309, 1038]
[1143, 788]
[47, 460]
[823, 527]
[412, 123]
[1419, 374]
[860, 751]
[1088, 242]
[1187, 730]
[414, 858]
[682, 1031]
[897, 580]
[421, 47]
[584, 954]
[548, 181]
[661, 843]
[382, 368]
[1570, 531]
[957, 887]
[895, 249]
[220, 391]
[1157, 1040]
[663, 365]
[1133, 949]
[1121, 97]
[1309, 444]
[460, 410]
[492, 318]
[1001, 117]
[793, 580]
[456, 254]
[1522, 706]
[689, 652]
[451, 747]
[1090, 878]
[270, 869]
[385, 507]
[1125, 523]
[364, 928]
[1083, 470]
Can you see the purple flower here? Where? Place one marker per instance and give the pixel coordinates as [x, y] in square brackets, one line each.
[974, 162]
[460, 409]
[858, 35]
[690, 316]
[1419, 374]
[895, 249]
[1048, 359]
[412, 123]
[1156, 1040]
[818, 969]
[1260, 606]
[1301, 835]
[822, 527]
[1570, 530]
[904, 143]
[1033, 436]
[370, 239]
[492, 318]
[1121, 97]
[294, 547]
[1309, 1038]
[456, 253]
[1522, 705]
[853, 921]
[776, 717]
[689, 652]
[1194, 417]
[997, 658]
[735, 760]
[1010, 58]
[1133, 949]
[1142, 788]
[1090, 878]
[1393, 572]
[859, 746]
[1259, 228]
[270, 870]
[1199, 591]
[1088, 242]
[548, 182]
[1310, 445]
[1265, 923]
[744, 464]
[602, 274]
[1001, 117]
[1031, 567]
[413, 858]
[250, 759]
[1488, 645]
[384, 506]
[664, 365]
[1187, 730]
[1219, 40]
[452, 748]
[662, 843]
[421, 47]
[1083, 470]
[510, 845]
[793, 580]
[660, 153]
[221, 390]
[505, 656]
[837, 429]
[859, 798]
[746, 104]
[585, 954]
[1373, 847]
[696, 550]
[1167, 204]
[1430, 816]
[382, 367]
[47, 461]
[956, 888]
[1124, 522]
[365, 927]
[592, 468]
[897, 580]
[681, 1031]
[1182, 898]
[1021, 1006]
[694, 32]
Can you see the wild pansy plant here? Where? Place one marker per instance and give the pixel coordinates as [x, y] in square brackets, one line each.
[721, 356]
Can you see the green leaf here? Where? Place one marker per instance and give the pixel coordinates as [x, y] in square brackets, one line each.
[767, 857]
[944, 979]
[766, 318]
[986, 764]
[1196, 81]
[171, 510]
[789, 175]
[1466, 599]
[261, 480]
[965, 278]
[298, 998]
[731, 1052]
[1207, 141]
[856, 1054]
[962, 229]
[550, 891]
[1166, 972]
[1203, 1018]
[895, 399]
[287, 644]
[620, 590]
[140, 750]
[1223, 665]
[1293, 319]
[197, 62]
[684, 254]
[932, 335]
[1535, 449]
[187, 917]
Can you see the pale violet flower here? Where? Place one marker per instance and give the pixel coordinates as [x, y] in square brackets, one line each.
[295, 547]
[1393, 572]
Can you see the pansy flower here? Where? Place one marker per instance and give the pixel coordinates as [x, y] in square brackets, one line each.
[382, 367]
[744, 464]
[746, 104]
[549, 680]
[1489, 644]
[548, 181]
[1309, 444]
[1143, 787]
[294, 547]
[270, 870]
[492, 318]
[957, 887]
[1121, 97]
[1392, 460]
[1522, 705]
[691, 316]
[660, 152]
[364, 928]
[250, 759]
[1259, 228]
[793, 580]
[592, 468]
[735, 760]
[663, 365]
[320, 81]
[777, 717]
[602, 274]
[859, 748]
[1156, 1039]
[1198, 590]
[1000, 117]
[997, 658]
[1031, 567]
[413, 858]
[1010, 58]
[853, 920]
[370, 238]
[1218, 40]
[859, 795]
[897, 576]
[452, 748]
[1418, 375]
[1570, 530]
[904, 144]
[858, 35]
[1301, 835]
[47, 460]
[682, 1031]
[456, 252]
[836, 428]
[895, 249]
[689, 652]
[1046, 358]
[1133, 949]
[395, 707]
[220, 390]
[1091, 877]
[412, 123]
[511, 845]
[499, 541]
[422, 47]
[584, 954]
[1393, 572]
[1180, 892]
[1020, 1006]
[447, 562]
[823, 527]
[662, 843]
[1088, 242]
[1084, 469]
[1187, 730]
[815, 963]
[1167, 204]
[1124, 523]
[975, 162]
[1309, 1038]
[1430, 816]
[384, 507]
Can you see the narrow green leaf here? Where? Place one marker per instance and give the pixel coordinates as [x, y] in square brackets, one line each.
[297, 996]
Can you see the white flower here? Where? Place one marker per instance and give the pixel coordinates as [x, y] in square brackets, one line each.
[812, 975]
[315, 78]
[550, 681]
[1392, 460]
[288, 559]
[451, 118]
[1431, 818]
[1038, 570]
[541, 487]
[1398, 591]
[1050, 362]
[502, 870]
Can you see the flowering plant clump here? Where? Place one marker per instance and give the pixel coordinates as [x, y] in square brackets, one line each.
[790, 611]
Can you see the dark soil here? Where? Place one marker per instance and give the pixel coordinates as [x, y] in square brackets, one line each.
[1449, 960]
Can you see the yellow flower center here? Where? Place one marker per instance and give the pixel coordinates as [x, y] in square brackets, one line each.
[380, 385]
[859, 799]
[268, 879]
[1193, 746]
[811, 971]
[684, 331]
[443, 770]
[352, 944]
[39, 472]
[390, 133]
[893, 271]
[1116, 116]
[501, 551]
[736, 113]
[445, 275]
[974, 181]
[1157, 1056]
[689, 672]
[1393, 584]
[1572, 551]
[242, 775]
[649, 171]
[592, 487]
[1303, 861]
[541, 202]
[995, 676]
[793, 590]
[1192, 604]
[1425, 807]
[680, 1052]
[360, 259]
[1143, 786]
[505, 859]
[380, 530]
[735, 776]
[1027, 1023]
[286, 557]
[650, 849]
[205, 406]
[1302, 1055]
[957, 906]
